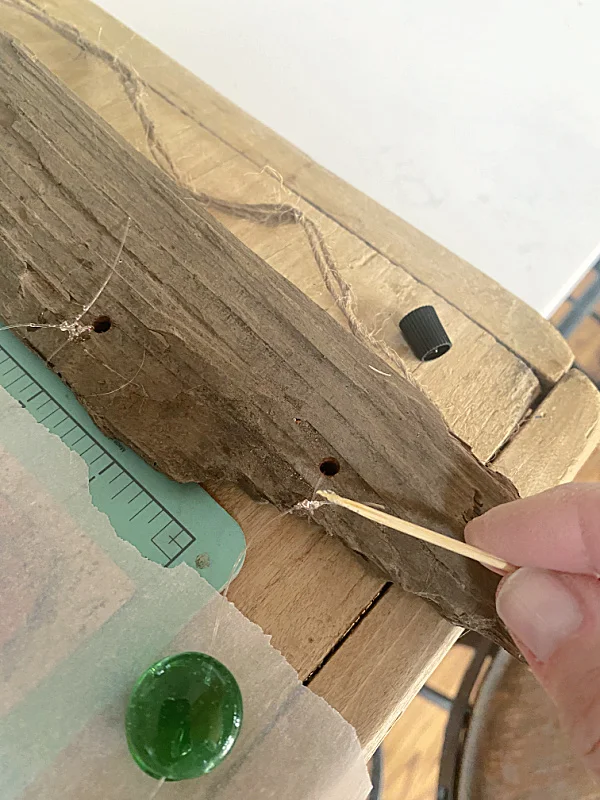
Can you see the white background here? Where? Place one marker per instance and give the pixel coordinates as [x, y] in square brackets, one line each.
[476, 121]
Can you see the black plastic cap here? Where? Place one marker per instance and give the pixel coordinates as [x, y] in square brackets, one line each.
[425, 333]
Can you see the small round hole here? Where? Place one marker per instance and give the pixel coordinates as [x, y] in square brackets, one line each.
[101, 324]
[329, 467]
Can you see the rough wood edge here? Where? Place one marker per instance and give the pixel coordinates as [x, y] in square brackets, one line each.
[480, 298]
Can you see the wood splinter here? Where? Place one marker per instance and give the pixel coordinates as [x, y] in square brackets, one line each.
[424, 534]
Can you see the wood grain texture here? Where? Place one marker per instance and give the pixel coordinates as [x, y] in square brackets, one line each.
[304, 589]
[230, 371]
[481, 388]
[348, 679]
[507, 319]
[412, 750]
[204, 133]
[557, 440]
[549, 449]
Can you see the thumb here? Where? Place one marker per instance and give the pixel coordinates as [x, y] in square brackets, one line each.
[555, 620]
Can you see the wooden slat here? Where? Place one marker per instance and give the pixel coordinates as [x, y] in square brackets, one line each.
[480, 298]
[557, 440]
[413, 748]
[373, 677]
[282, 585]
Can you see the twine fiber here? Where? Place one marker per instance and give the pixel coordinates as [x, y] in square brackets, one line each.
[270, 214]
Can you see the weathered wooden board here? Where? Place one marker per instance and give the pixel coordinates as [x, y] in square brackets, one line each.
[480, 298]
[215, 365]
[481, 388]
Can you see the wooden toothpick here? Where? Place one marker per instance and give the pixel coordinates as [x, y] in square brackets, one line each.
[424, 534]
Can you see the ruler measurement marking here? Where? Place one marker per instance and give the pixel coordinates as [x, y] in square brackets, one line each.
[61, 422]
[121, 490]
[51, 414]
[16, 380]
[114, 459]
[140, 511]
[163, 527]
[181, 552]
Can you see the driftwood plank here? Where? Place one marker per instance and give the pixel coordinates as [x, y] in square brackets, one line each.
[214, 365]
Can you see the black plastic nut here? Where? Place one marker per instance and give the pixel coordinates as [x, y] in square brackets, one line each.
[425, 333]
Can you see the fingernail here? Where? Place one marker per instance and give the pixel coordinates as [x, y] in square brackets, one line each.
[538, 608]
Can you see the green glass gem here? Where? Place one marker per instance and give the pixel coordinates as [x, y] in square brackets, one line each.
[184, 716]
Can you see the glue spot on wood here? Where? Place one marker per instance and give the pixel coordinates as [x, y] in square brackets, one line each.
[101, 324]
[329, 467]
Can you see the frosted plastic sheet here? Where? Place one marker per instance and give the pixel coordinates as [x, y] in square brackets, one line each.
[83, 614]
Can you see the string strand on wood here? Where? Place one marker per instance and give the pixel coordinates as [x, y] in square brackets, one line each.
[271, 214]
[418, 532]
[75, 328]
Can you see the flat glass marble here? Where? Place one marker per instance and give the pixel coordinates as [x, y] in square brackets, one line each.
[184, 716]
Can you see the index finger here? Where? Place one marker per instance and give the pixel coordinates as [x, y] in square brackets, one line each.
[558, 530]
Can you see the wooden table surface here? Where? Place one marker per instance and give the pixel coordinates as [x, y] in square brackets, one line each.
[364, 646]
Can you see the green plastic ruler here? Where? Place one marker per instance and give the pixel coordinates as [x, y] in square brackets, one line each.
[168, 522]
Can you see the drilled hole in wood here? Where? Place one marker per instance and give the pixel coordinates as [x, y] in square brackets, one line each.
[101, 324]
[329, 467]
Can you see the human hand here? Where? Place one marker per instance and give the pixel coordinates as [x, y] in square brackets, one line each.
[551, 605]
